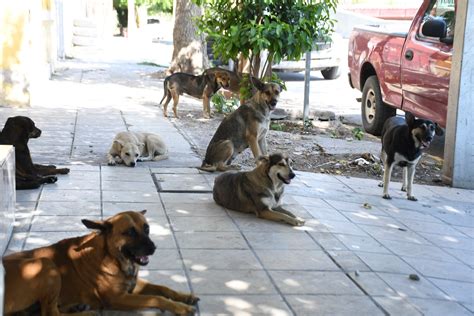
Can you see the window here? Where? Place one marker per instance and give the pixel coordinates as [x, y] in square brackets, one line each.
[442, 9]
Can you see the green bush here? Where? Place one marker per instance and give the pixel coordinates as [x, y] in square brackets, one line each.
[165, 6]
[223, 105]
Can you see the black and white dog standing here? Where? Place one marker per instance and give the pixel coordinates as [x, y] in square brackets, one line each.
[402, 142]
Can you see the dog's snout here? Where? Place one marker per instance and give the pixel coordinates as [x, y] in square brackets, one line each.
[132, 164]
[292, 175]
[35, 133]
[150, 245]
[273, 102]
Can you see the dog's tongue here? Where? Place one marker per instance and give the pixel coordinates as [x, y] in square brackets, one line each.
[426, 144]
[143, 259]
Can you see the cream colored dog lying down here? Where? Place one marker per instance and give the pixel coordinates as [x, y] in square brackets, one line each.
[130, 147]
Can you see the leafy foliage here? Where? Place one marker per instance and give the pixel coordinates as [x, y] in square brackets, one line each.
[153, 5]
[223, 105]
[358, 133]
[283, 28]
[160, 6]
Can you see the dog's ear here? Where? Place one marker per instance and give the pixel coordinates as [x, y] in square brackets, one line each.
[438, 130]
[119, 142]
[257, 83]
[99, 225]
[410, 119]
[263, 159]
[143, 212]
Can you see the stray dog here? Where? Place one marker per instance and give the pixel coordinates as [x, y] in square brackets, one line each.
[202, 87]
[234, 79]
[130, 147]
[245, 127]
[94, 271]
[258, 191]
[28, 175]
[402, 142]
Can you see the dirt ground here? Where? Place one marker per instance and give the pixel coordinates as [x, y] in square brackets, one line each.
[305, 147]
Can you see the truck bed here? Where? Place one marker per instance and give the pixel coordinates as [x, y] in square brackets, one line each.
[391, 29]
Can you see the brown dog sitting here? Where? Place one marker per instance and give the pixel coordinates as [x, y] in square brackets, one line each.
[202, 87]
[245, 127]
[95, 271]
[17, 131]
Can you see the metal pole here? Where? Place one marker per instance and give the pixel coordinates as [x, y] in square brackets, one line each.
[307, 81]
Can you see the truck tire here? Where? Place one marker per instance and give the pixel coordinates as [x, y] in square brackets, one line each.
[330, 73]
[374, 111]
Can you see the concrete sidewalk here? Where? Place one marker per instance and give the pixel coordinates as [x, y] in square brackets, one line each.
[353, 257]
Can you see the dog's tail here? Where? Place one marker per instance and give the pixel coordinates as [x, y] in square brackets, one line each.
[207, 167]
[160, 157]
[165, 88]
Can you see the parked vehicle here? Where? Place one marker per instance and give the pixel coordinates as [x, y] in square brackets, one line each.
[406, 69]
[324, 57]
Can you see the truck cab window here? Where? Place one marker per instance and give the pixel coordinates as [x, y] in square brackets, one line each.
[442, 9]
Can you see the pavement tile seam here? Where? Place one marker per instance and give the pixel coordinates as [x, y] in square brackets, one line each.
[274, 284]
[175, 239]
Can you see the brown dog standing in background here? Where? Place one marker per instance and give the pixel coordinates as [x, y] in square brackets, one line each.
[95, 271]
[28, 175]
[202, 87]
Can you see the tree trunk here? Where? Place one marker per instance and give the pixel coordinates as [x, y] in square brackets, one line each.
[189, 53]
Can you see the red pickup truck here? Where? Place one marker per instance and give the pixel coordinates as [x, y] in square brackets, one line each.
[404, 69]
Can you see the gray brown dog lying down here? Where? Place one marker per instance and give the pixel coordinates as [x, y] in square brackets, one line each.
[130, 147]
[258, 191]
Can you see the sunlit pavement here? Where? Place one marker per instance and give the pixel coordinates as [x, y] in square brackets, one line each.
[353, 257]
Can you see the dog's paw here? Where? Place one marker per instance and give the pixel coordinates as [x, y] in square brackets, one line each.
[50, 179]
[412, 198]
[63, 170]
[404, 188]
[380, 185]
[387, 196]
[111, 163]
[298, 222]
[186, 310]
[192, 300]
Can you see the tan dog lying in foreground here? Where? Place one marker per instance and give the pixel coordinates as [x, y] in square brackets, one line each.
[95, 271]
[130, 147]
[258, 191]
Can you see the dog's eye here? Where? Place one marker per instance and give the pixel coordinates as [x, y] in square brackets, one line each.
[136, 155]
[146, 229]
[131, 232]
[432, 128]
[127, 154]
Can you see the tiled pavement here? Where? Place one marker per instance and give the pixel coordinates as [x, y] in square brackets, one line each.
[353, 256]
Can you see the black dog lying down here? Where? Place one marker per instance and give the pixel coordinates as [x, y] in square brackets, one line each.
[402, 142]
[17, 131]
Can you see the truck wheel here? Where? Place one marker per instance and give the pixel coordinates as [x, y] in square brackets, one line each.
[374, 111]
[330, 73]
